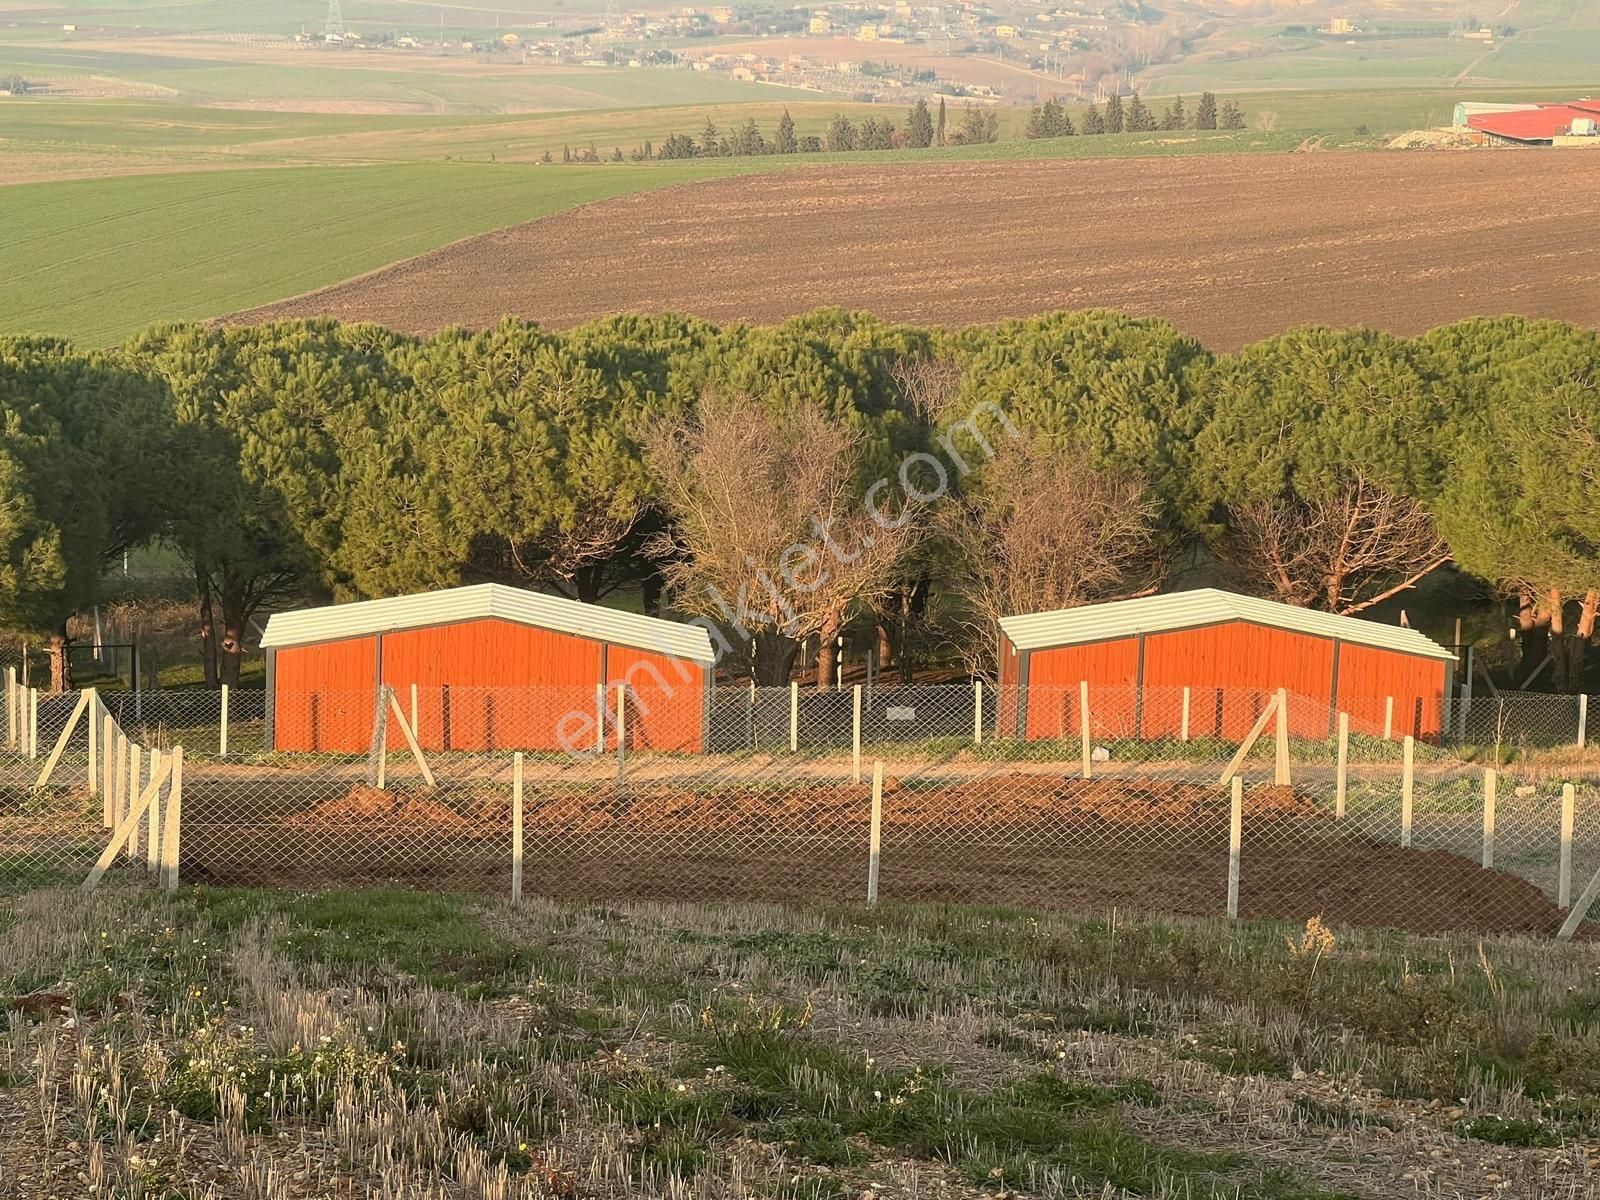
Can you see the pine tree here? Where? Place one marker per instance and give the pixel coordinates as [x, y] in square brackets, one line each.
[841, 134]
[547, 157]
[1176, 116]
[785, 142]
[939, 131]
[1205, 113]
[919, 126]
[1035, 128]
[1093, 122]
[616, 154]
[710, 140]
[566, 153]
[750, 141]
[1114, 113]
[1139, 118]
[1231, 117]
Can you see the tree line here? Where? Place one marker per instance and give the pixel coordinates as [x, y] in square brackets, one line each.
[788, 481]
[1051, 119]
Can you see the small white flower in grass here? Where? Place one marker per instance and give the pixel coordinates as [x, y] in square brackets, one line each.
[683, 1087]
[877, 1095]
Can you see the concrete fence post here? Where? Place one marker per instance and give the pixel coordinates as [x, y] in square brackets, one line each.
[516, 827]
[1280, 754]
[1490, 785]
[1583, 720]
[152, 850]
[1341, 783]
[876, 837]
[977, 712]
[33, 723]
[1407, 789]
[416, 728]
[1388, 718]
[1085, 766]
[108, 758]
[92, 720]
[1569, 798]
[172, 831]
[855, 734]
[135, 767]
[1235, 839]
[1183, 718]
[622, 733]
[599, 718]
[794, 717]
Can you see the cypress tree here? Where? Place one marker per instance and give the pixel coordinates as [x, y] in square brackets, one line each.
[1205, 113]
[785, 142]
[1176, 117]
[919, 125]
[566, 153]
[1093, 122]
[1114, 113]
[1139, 118]
[939, 134]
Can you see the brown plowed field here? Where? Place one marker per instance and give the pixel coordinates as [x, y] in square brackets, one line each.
[1231, 248]
[1159, 847]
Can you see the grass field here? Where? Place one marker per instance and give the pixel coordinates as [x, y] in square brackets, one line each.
[271, 1045]
[167, 247]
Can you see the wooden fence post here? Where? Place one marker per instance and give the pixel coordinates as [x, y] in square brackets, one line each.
[1407, 784]
[411, 739]
[855, 735]
[1183, 719]
[1342, 778]
[1086, 766]
[977, 712]
[794, 717]
[1280, 756]
[1388, 718]
[1235, 838]
[1569, 797]
[876, 839]
[135, 768]
[222, 726]
[60, 748]
[119, 776]
[152, 854]
[124, 830]
[172, 827]
[1490, 784]
[108, 788]
[516, 827]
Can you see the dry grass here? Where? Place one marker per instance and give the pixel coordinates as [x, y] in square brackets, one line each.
[267, 1046]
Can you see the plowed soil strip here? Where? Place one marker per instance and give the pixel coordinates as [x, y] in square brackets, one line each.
[1231, 248]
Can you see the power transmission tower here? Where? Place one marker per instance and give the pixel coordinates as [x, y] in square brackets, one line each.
[335, 22]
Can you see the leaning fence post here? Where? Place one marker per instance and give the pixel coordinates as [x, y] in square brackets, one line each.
[1388, 718]
[1235, 837]
[172, 831]
[1280, 773]
[1407, 785]
[1341, 783]
[794, 717]
[1083, 729]
[855, 735]
[1569, 796]
[416, 727]
[876, 839]
[152, 853]
[1583, 719]
[1183, 719]
[977, 712]
[1490, 783]
[222, 726]
[516, 826]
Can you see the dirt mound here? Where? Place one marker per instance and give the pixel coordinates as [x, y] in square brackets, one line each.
[1431, 139]
[1230, 248]
[363, 805]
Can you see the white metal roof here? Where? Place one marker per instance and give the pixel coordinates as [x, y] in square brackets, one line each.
[1203, 606]
[488, 600]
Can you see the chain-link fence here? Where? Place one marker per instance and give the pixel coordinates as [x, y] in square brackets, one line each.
[1094, 800]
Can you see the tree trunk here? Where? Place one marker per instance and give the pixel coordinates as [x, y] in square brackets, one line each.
[886, 647]
[586, 581]
[774, 658]
[60, 665]
[208, 627]
[236, 612]
[650, 587]
[828, 649]
[1533, 628]
[1560, 650]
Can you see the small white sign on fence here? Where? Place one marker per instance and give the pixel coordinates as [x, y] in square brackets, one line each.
[900, 712]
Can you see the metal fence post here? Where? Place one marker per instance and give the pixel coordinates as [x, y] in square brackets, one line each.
[1235, 837]
[1083, 729]
[977, 712]
[516, 826]
[1407, 786]
[1569, 797]
[855, 734]
[1490, 785]
[222, 726]
[876, 840]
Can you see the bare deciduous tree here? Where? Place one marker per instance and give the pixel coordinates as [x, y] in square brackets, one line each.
[1047, 531]
[1341, 554]
[768, 532]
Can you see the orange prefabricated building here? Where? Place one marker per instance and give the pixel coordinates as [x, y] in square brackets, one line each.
[487, 667]
[1230, 654]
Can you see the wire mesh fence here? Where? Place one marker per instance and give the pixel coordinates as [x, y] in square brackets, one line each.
[1118, 799]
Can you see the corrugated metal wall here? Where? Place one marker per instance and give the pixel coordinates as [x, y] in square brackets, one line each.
[1112, 669]
[1367, 676]
[1228, 670]
[483, 685]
